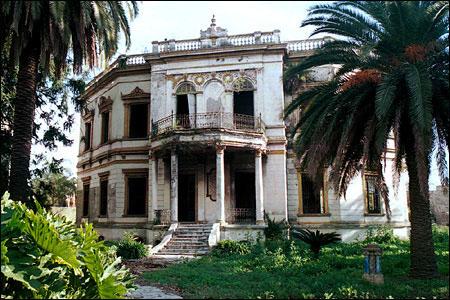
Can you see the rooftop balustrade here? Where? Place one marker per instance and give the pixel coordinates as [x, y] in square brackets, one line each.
[210, 120]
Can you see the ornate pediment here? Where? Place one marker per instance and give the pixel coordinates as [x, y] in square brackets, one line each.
[137, 93]
[105, 103]
[87, 114]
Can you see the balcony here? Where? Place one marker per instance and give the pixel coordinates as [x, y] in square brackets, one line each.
[211, 120]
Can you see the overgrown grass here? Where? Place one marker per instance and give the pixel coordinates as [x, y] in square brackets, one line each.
[288, 270]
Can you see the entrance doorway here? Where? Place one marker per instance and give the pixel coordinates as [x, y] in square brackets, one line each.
[243, 103]
[186, 197]
[244, 183]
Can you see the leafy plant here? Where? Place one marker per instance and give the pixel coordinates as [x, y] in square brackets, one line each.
[275, 230]
[316, 240]
[380, 235]
[130, 248]
[46, 256]
[226, 248]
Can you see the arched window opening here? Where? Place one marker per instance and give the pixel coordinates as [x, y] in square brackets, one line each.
[186, 104]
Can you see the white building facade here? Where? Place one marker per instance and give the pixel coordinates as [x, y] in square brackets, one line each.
[193, 133]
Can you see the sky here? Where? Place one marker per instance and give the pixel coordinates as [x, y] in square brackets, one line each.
[179, 20]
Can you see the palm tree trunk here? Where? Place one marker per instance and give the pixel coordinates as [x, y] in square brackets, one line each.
[24, 105]
[423, 259]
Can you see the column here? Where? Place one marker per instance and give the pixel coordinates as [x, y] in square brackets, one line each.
[259, 188]
[154, 186]
[220, 182]
[174, 186]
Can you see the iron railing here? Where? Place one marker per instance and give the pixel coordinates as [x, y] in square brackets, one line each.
[241, 215]
[211, 120]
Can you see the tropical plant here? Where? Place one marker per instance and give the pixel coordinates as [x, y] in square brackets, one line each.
[130, 248]
[380, 235]
[275, 229]
[43, 33]
[316, 240]
[393, 82]
[44, 256]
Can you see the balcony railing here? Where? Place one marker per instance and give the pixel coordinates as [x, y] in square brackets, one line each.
[241, 215]
[211, 120]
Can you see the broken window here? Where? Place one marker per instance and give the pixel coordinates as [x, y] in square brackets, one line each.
[136, 196]
[87, 135]
[105, 127]
[186, 105]
[372, 195]
[104, 197]
[138, 127]
[85, 200]
[311, 196]
[243, 97]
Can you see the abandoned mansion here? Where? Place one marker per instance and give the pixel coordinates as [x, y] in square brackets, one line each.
[192, 134]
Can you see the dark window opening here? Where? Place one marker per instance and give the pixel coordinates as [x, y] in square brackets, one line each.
[87, 136]
[138, 120]
[186, 198]
[243, 103]
[183, 111]
[310, 196]
[245, 210]
[105, 127]
[373, 196]
[85, 200]
[103, 197]
[137, 194]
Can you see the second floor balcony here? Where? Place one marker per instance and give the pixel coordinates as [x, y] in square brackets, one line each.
[210, 120]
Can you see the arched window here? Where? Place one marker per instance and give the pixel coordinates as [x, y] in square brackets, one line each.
[186, 104]
[242, 84]
[185, 88]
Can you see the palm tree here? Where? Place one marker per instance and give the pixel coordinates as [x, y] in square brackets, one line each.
[393, 82]
[43, 32]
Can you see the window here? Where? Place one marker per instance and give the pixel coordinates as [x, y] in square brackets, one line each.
[243, 97]
[313, 199]
[136, 196]
[372, 195]
[87, 136]
[138, 127]
[104, 197]
[105, 127]
[85, 200]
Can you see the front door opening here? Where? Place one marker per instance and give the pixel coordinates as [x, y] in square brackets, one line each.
[244, 183]
[186, 197]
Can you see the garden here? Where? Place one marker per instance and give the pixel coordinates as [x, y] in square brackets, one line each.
[286, 268]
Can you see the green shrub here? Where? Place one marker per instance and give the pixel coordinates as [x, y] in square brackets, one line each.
[380, 235]
[228, 247]
[44, 256]
[316, 240]
[129, 248]
[275, 230]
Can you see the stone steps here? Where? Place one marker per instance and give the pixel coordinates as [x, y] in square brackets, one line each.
[188, 240]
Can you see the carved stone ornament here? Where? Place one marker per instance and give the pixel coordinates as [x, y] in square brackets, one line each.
[137, 93]
[105, 103]
[87, 113]
[225, 77]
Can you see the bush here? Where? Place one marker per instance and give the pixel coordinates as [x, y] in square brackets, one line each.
[130, 248]
[316, 240]
[275, 230]
[380, 235]
[226, 248]
[44, 256]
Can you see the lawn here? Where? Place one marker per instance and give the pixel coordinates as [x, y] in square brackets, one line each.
[287, 269]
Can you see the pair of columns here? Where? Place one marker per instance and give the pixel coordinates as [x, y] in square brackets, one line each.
[220, 188]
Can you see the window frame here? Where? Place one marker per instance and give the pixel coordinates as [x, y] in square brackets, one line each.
[366, 199]
[86, 183]
[135, 173]
[323, 197]
[104, 176]
[88, 118]
[137, 96]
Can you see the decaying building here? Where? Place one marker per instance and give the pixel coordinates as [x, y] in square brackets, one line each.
[193, 133]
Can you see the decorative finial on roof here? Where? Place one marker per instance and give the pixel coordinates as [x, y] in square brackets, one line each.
[213, 22]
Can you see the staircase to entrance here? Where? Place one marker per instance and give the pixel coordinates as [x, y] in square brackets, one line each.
[188, 240]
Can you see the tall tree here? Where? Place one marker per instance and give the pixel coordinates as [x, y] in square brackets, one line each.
[393, 79]
[44, 32]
